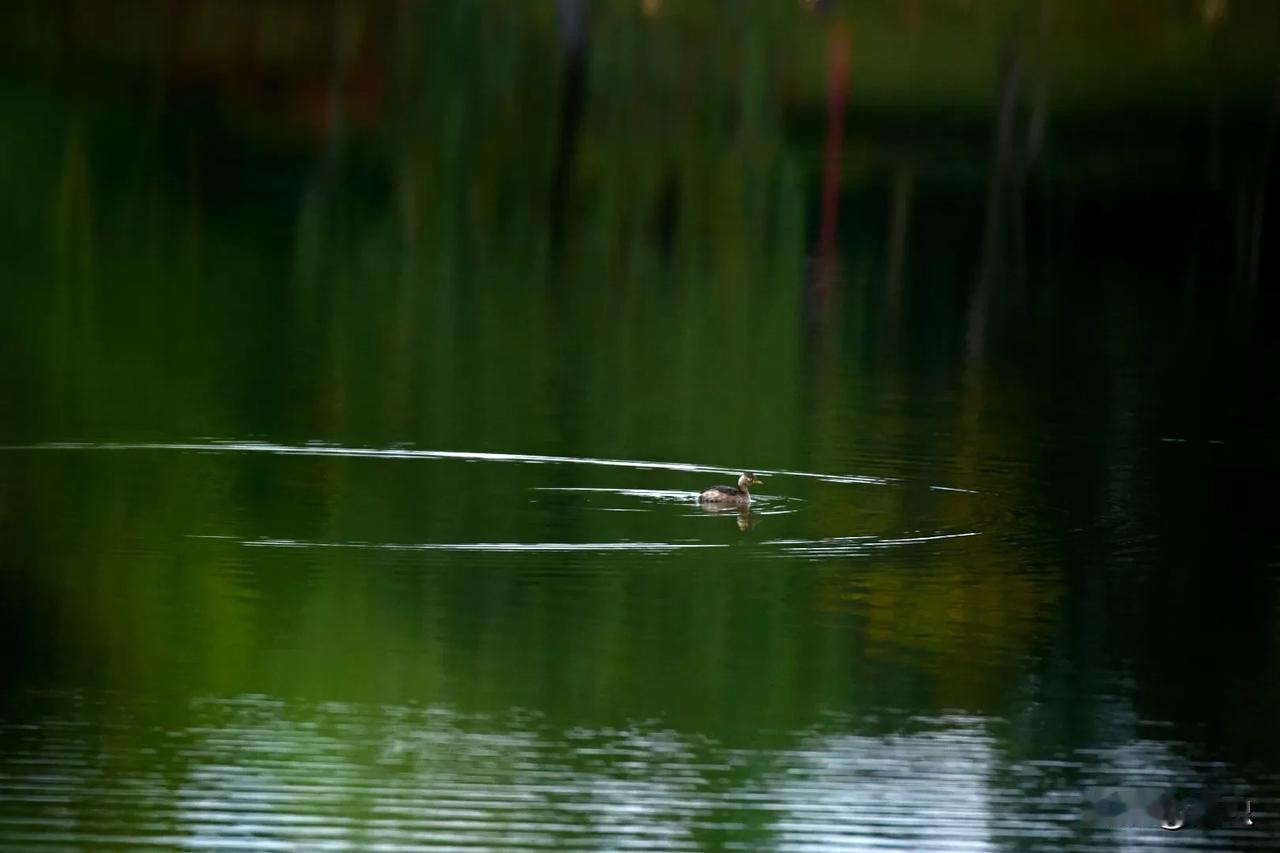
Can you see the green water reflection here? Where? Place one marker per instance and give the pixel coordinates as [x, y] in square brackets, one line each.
[320, 325]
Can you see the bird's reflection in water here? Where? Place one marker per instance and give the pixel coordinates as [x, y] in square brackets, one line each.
[745, 520]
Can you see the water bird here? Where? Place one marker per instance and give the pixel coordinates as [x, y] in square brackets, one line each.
[729, 495]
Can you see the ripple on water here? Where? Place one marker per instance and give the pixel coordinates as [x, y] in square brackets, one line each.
[318, 449]
[257, 773]
[591, 498]
[500, 547]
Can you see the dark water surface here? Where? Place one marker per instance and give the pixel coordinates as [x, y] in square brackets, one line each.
[361, 367]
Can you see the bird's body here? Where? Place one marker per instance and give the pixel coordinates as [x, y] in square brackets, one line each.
[731, 495]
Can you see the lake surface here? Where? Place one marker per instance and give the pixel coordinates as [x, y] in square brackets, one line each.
[361, 370]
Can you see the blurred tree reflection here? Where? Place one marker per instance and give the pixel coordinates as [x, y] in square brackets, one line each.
[590, 228]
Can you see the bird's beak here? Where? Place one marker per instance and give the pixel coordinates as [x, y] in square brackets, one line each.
[757, 480]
